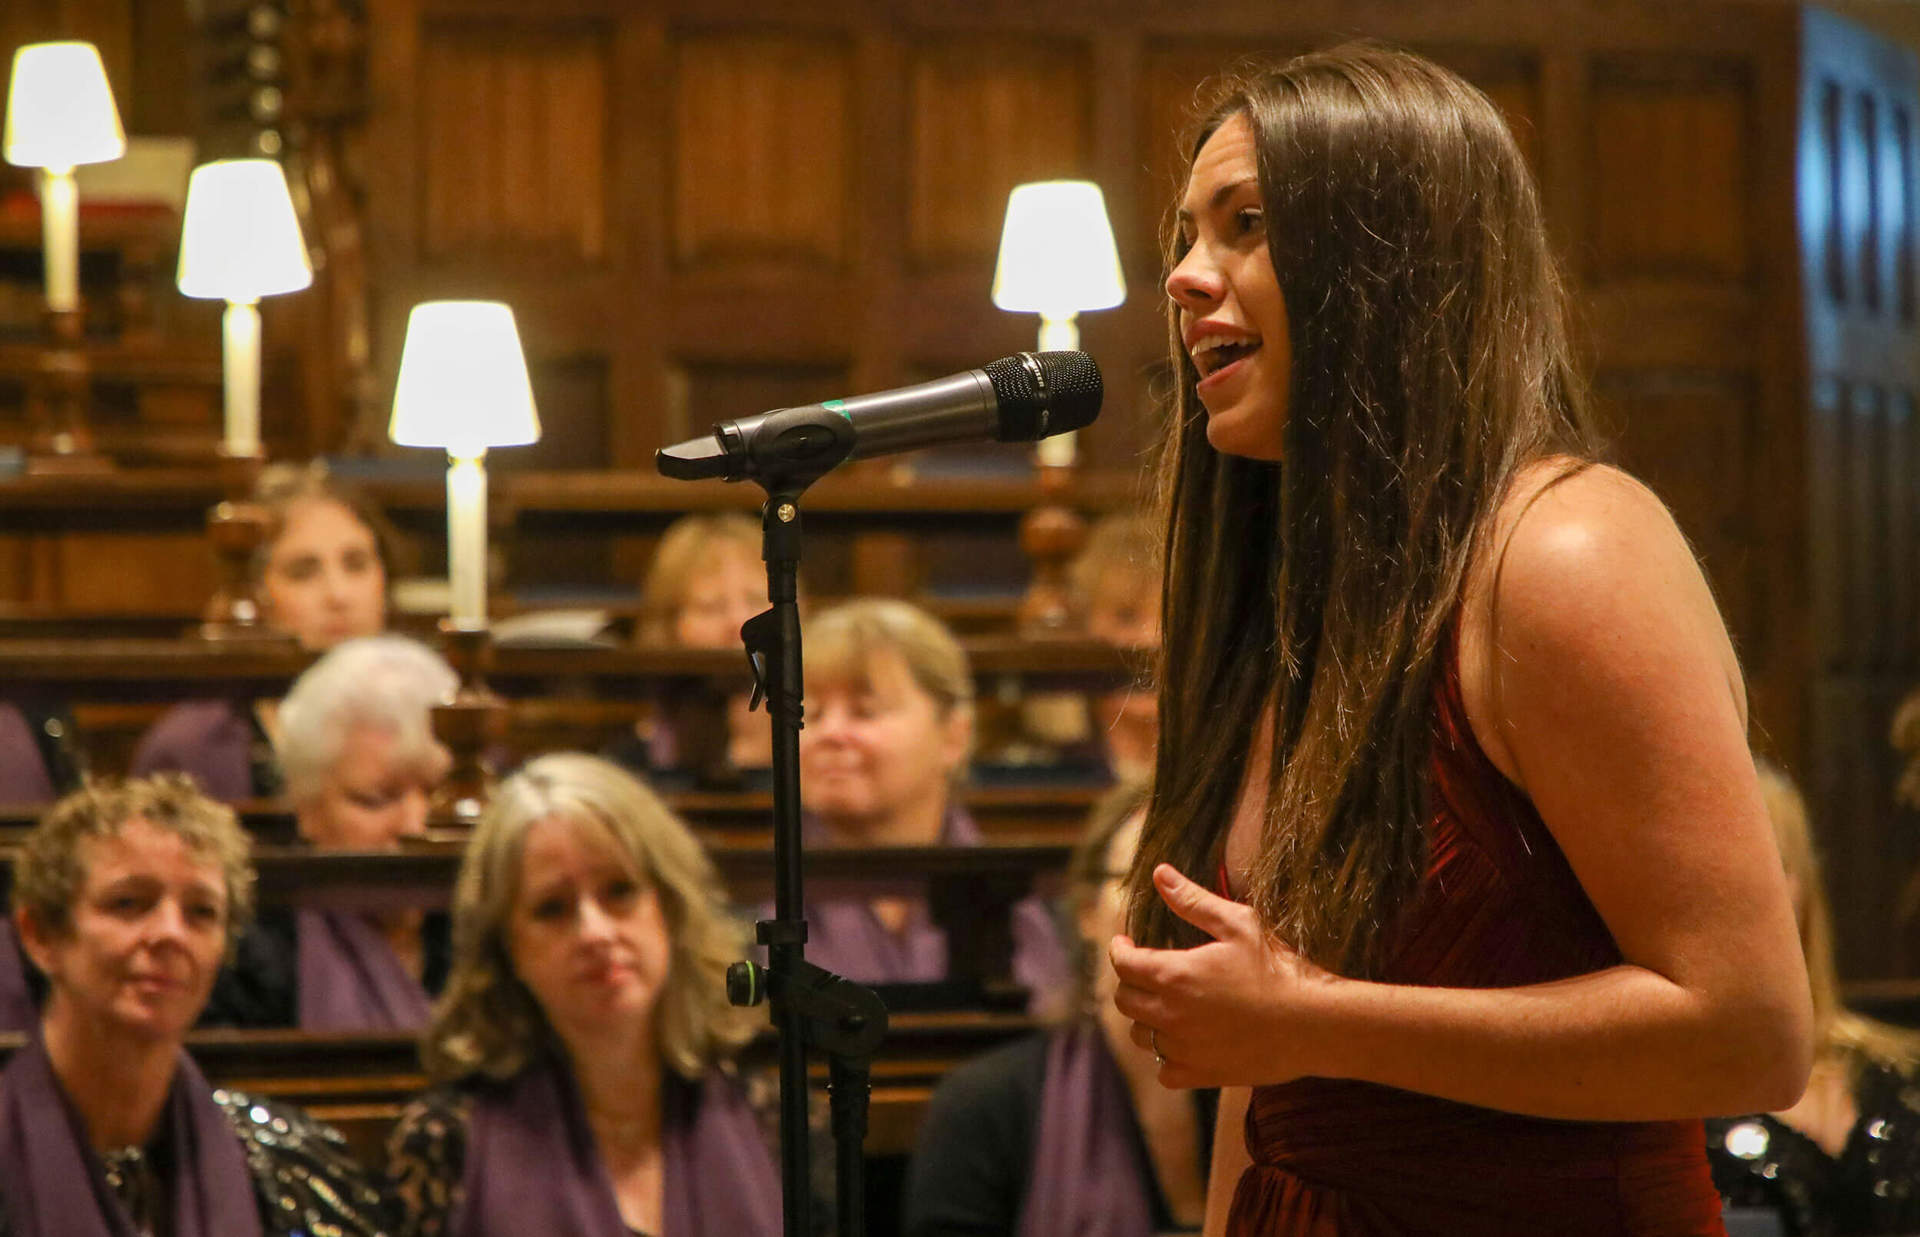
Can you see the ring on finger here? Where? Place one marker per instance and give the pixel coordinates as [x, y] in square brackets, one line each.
[1153, 1042]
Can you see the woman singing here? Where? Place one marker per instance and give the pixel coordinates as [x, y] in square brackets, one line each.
[1459, 734]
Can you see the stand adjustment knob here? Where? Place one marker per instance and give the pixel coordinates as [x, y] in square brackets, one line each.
[746, 984]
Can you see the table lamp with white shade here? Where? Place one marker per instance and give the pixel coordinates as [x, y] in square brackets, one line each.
[464, 387]
[1057, 259]
[241, 241]
[60, 113]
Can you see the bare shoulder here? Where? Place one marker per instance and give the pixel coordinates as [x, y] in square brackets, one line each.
[1587, 585]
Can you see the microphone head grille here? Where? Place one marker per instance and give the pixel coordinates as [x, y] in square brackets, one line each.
[1044, 393]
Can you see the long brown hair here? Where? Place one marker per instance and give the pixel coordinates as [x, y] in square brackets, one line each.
[1430, 365]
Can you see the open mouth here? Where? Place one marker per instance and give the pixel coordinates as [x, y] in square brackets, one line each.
[1214, 355]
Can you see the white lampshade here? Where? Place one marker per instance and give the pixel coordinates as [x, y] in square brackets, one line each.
[60, 110]
[240, 240]
[463, 380]
[1057, 255]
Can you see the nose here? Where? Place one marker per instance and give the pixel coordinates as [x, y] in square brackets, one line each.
[167, 924]
[595, 923]
[334, 587]
[412, 812]
[829, 724]
[1196, 283]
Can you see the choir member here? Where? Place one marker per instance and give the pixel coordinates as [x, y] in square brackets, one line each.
[127, 896]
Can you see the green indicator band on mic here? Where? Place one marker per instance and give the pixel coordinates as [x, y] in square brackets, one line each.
[838, 405]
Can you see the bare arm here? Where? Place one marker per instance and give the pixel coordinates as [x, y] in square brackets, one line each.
[1613, 702]
[1230, 1158]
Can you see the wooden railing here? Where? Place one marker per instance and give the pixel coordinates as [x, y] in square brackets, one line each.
[359, 1082]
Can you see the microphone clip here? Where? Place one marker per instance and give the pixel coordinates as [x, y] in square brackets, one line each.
[787, 449]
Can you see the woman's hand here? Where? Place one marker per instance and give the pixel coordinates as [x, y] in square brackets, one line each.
[1242, 1010]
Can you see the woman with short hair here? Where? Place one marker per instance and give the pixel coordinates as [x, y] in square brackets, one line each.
[126, 896]
[883, 757]
[361, 763]
[581, 1047]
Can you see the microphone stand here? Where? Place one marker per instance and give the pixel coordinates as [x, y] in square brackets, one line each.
[811, 1007]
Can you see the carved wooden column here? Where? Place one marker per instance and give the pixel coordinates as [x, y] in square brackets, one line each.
[472, 725]
[61, 442]
[1051, 535]
[237, 528]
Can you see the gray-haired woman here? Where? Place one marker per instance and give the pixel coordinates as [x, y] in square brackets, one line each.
[361, 762]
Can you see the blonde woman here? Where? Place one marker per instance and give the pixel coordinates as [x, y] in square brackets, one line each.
[886, 747]
[705, 581]
[1846, 1158]
[581, 1043]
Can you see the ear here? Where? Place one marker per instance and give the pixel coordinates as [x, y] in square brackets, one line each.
[956, 739]
[35, 940]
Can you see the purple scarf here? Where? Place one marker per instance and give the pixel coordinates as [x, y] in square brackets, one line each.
[1086, 1169]
[53, 1183]
[845, 936]
[533, 1167]
[350, 978]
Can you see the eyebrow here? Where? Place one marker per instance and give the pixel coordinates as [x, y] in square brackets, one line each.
[1220, 195]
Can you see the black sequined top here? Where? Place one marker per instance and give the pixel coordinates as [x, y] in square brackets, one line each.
[304, 1180]
[1872, 1187]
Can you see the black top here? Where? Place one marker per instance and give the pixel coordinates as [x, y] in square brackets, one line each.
[1872, 1187]
[975, 1156]
[261, 986]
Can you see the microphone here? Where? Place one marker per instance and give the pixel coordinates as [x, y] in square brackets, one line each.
[1021, 398]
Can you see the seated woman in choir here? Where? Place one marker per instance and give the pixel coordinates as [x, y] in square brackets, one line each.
[127, 895]
[889, 700]
[1068, 1131]
[1116, 593]
[1846, 1158]
[321, 576]
[361, 764]
[581, 1046]
[706, 579]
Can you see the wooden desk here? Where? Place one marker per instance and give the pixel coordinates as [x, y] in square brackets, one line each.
[970, 891]
[359, 1082]
[872, 531]
[136, 670]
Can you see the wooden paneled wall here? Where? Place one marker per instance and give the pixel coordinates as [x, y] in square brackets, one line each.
[700, 218]
[700, 211]
[1859, 98]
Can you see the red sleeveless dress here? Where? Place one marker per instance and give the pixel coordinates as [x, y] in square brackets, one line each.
[1499, 908]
